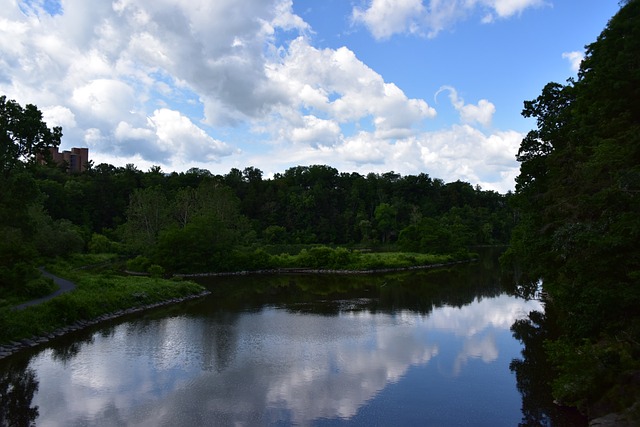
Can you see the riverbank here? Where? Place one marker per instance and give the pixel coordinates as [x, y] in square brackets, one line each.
[104, 296]
[97, 297]
[15, 346]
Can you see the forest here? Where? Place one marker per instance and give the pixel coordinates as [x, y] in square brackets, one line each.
[578, 203]
[196, 221]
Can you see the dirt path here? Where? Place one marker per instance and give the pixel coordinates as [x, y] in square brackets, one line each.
[63, 284]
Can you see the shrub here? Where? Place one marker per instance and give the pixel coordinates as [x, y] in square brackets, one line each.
[40, 287]
[155, 270]
[140, 264]
[99, 244]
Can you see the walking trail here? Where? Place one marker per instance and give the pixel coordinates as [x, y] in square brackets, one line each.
[63, 284]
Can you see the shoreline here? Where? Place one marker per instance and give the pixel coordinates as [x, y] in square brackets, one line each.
[14, 347]
[296, 270]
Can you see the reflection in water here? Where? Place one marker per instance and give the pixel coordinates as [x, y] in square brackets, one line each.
[17, 388]
[277, 365]
[534, 374]
[420, 348]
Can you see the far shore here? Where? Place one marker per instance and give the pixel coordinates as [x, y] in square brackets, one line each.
[320, 270]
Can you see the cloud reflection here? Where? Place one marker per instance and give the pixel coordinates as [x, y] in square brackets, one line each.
[262, 367]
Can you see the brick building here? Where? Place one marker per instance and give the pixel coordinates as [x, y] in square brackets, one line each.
[76, 159]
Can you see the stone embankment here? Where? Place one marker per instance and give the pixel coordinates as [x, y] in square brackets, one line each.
[15, 346]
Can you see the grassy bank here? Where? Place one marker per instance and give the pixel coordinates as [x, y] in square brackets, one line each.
[96, 294]
[316, 257]
[323, 257]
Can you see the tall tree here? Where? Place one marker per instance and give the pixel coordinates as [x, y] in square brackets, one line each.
[23, 134]
[578, 196]
[147, 215]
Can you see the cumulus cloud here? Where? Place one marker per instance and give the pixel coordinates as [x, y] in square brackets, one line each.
[179, 136]
[335, 83]
[58, 115]
[104, 64]
[575, 59]
[316, 131]
[384, 18]
[387, 17]
[458, 152]
[363, 149]
[472, 156]
[103, 99]
[151, 82]
[168, 137]
[481, 113]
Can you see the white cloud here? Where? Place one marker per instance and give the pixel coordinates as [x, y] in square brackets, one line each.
[286, 19]
[105, 100]
[387, 17]
[168, 137]
[316, 131]
[337, 84]
[458, 152]
[179, 136]
[148, 81]
[472, 156]
[575, 59]
[384, 18]
[481, 113]
[58, 115]
[363, 149]
[508, 8]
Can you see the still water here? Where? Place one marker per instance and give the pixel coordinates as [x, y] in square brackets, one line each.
[422, 348]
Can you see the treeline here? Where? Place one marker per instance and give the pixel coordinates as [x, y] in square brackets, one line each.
[197, 221]
[578, 200]
[305, 204]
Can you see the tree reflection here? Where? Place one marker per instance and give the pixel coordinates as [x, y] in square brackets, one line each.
[18, 384]
[66, 350]
[417, 290]
[534, 374]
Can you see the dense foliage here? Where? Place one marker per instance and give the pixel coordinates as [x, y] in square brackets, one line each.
[578, 200]
[197, 221]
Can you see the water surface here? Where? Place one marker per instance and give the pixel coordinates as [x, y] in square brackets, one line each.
[420, 348]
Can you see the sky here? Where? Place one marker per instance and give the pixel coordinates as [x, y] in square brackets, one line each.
[409, 86]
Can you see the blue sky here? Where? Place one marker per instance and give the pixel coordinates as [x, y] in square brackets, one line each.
[411, 86]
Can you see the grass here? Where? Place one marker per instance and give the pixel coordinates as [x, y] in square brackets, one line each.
[323, 257]
[96, 294]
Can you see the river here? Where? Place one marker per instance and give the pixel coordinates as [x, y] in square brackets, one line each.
[420, 348]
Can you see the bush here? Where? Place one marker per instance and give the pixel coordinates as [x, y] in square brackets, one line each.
[275, 234]
[99, 244]
[587, 369]
[155, 270]
[343, 258]
[14, 278]
[39, 287]
[139, 264]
